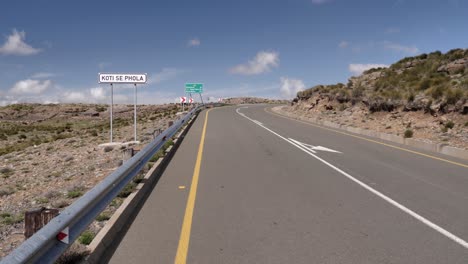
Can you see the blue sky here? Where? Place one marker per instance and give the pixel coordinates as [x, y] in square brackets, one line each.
[52, 51]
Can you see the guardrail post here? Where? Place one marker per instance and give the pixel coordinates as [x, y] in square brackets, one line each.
[36, 219]
[127, 154]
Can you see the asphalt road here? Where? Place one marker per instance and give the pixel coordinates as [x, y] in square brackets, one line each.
[268, 189]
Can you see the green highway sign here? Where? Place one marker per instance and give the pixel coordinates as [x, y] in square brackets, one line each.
[194, 87]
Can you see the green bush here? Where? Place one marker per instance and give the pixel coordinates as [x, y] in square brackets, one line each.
[411, 96]
[4, 214]
[6, 172]
[408, 133]
[450, 124]
[436, 92]
[424, 84]
[453, 95]
[86, 237]
[100, 108]
[357, 92]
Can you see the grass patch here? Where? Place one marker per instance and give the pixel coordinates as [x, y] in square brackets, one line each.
[104, 216]
[127, 190]
[10, 219]
[116, 202]
[156, 156]
[74, 194]
[86, 237]
[6, 190]
[42, 200]
[168, 144]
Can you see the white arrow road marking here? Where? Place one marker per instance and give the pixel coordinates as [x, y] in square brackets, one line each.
[403, 208]
[312, 148]
[256, 122]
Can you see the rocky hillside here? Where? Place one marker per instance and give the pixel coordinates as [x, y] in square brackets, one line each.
[436, 83]
[427, 94]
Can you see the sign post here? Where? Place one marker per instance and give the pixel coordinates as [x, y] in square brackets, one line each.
[111, 110]
[194, 88]
[182, 101]
[123, 78]
[134, 114]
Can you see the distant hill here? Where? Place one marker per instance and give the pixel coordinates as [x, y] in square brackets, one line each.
[434, 83]
[253, 100]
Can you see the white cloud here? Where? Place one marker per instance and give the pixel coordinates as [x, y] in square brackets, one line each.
[31, 87]
[73, 97]
[263, 62]
[42, 75]
[194, 42]
[94, 95]
[98, 93]
[358, 69]
[343, 44]
[400, 48]
[319, 2]
[15, 45]
[290, 87]
[164, 75]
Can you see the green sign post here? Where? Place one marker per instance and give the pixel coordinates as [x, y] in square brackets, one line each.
[194, 88]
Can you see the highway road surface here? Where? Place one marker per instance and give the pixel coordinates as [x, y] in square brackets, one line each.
[249, 186]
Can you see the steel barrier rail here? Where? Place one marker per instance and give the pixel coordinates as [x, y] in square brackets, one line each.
[44, 247]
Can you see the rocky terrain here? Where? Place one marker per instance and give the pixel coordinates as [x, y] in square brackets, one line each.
[424, 97]
[49, 156]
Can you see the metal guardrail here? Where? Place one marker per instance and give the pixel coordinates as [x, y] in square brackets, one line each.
[44, 247]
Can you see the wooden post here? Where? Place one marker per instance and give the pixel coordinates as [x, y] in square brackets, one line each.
[36, 219]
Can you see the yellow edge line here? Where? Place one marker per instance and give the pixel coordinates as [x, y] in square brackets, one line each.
[370, 140]
[184, 240]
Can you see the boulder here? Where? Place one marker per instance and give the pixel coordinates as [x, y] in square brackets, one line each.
[454, 66]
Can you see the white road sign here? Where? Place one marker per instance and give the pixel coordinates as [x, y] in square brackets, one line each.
[183, 99]
[137, 78]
